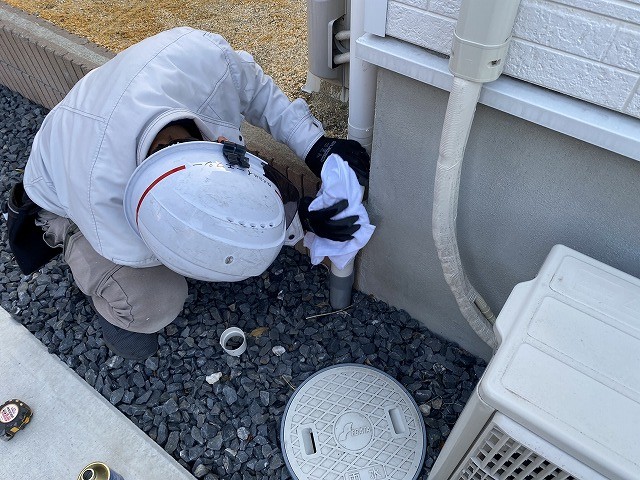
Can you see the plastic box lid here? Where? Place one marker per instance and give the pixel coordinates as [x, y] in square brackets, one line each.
[568, 366]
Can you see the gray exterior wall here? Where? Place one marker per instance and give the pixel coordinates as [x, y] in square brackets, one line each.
[524, 188]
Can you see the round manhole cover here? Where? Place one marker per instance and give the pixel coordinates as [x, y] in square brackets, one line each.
[352, 422]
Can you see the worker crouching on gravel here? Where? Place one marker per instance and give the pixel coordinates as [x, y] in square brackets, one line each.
[126, 177]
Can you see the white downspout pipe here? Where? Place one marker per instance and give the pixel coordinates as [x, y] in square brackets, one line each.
[480, 45]
[362, 83]
[362, 96]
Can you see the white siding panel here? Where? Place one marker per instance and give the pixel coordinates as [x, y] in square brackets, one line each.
[448, 8]
[624, 50]
[625, 10]
[564, 28]
[604, 85]
[589, 49]
[421, 4]
[420, 27]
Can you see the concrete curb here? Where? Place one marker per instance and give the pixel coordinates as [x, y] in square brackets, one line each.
[42, 62]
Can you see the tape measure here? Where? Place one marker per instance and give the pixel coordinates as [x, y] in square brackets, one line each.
[14, 415]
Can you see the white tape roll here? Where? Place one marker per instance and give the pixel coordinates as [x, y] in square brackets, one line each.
[228, 334]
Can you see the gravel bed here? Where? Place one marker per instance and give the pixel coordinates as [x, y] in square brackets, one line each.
[229, 429]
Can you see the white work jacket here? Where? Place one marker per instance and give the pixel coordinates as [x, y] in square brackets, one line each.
[90, 143]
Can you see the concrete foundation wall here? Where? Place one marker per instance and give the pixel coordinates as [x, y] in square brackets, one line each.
[524, 188]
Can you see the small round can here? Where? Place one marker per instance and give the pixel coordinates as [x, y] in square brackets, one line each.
[99, 471]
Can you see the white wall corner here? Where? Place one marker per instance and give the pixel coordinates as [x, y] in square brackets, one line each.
[375, 17]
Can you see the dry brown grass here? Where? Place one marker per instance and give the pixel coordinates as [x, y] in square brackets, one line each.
[273, 31]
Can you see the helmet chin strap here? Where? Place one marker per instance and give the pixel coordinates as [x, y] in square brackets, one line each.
[294, 232]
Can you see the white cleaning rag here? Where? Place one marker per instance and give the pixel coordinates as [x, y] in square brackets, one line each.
[339, 181]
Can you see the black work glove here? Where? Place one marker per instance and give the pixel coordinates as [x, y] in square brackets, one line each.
[351, 152]
[320, 221]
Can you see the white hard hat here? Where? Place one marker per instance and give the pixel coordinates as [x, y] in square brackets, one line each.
[210, 214]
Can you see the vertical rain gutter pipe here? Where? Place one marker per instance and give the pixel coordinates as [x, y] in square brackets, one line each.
[480, 46]
[362, 94]
[362, 83]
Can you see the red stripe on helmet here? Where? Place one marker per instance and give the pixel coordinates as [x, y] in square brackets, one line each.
[154, 183]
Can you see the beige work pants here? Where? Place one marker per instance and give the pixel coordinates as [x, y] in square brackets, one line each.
[142, 300]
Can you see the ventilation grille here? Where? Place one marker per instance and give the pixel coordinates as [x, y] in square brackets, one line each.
[500, 457]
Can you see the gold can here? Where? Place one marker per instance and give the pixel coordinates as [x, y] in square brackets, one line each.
[99, 471]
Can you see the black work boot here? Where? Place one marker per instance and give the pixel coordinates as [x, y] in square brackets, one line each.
[130, 345]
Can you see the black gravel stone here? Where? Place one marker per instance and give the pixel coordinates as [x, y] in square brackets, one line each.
[228, 430]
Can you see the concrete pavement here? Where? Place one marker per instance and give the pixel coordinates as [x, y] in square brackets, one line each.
[72, 424]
